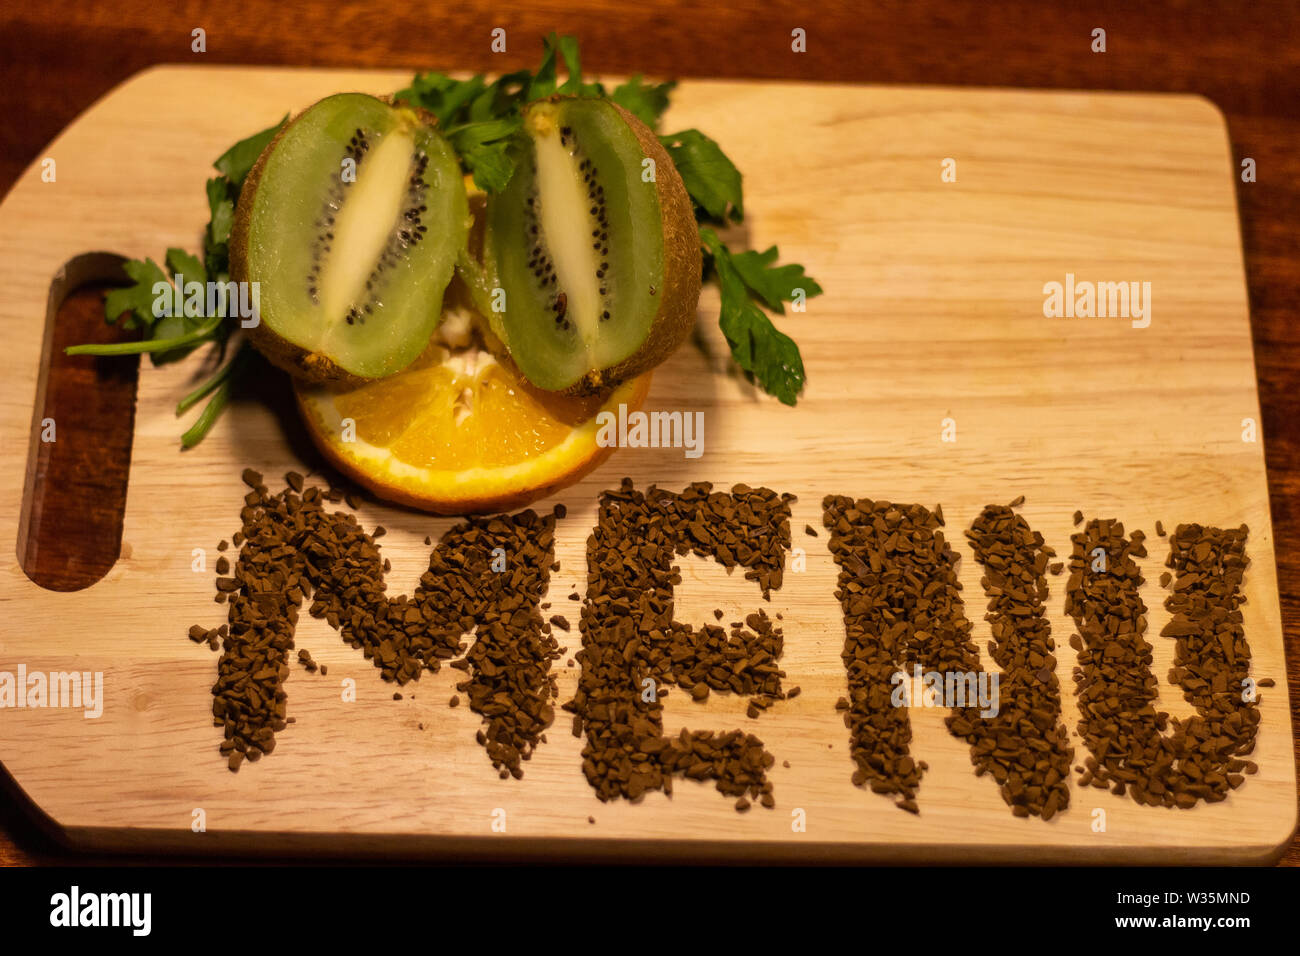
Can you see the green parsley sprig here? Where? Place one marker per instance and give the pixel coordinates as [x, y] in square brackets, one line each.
[480, 119]
[168, 337]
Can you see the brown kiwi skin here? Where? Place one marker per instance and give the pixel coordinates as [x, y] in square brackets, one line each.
[309, 366]
[683, 265]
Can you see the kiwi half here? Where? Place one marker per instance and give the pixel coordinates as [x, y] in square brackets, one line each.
[595, 249]
[350, 222]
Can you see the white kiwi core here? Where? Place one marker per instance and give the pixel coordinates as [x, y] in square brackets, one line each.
[365, 222]
[567, 227]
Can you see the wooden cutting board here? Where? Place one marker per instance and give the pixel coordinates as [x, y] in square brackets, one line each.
[933, 311]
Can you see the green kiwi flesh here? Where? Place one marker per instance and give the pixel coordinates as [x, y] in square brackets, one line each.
[351, 223]
[595, 249]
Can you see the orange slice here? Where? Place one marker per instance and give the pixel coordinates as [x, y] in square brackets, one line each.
[458, 432]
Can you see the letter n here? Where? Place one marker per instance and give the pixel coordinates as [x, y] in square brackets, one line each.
[902, 608]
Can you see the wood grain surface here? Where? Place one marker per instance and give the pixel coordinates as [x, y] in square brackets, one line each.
[60, 57]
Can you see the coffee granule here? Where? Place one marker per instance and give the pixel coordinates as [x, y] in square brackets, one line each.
[633, 649]
[295, 549]
[1130, 752]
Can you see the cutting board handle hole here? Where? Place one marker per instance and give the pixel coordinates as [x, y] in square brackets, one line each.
[70, 528]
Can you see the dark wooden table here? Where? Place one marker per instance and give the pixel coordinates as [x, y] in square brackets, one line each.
[59, 56]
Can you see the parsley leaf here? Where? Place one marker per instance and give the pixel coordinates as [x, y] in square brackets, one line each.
[568, 49]
[484, 149]
[573, 85]
[136, 300]
[646, 103]
[710, 177]
[216, 237]
[491, 165]
[182, 269]
[766, 354]
[480, 119]
[236, 162]
[441, 95]
[501, 98]
[181, 263]
[543, 83]
[477, 118]
[773, 285]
